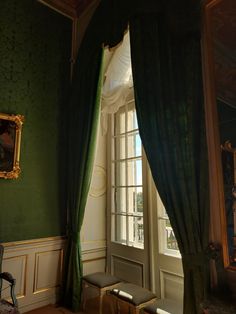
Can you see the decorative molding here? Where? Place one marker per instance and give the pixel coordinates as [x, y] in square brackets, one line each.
[171, 285]
[37, 267]
[217, 203]
[18, 265]
[127, 269]
[48, 270]
[61, 7]
[93, 246]
[98, 184]
[10, 247]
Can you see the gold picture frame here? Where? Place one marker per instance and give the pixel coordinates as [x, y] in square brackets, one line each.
[10, 140]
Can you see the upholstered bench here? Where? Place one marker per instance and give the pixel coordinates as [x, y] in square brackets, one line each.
[132, 296]
[102, 282]
[164, 306]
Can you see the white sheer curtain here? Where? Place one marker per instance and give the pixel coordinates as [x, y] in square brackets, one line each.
[118, 80]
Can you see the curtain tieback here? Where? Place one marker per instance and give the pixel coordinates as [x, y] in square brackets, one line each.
[212, 252]
[75, 236]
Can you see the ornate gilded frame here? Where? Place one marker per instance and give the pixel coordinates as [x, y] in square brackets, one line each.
[10, 140]
[218, 227]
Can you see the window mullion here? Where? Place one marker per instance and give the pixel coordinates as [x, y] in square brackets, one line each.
[126, 176]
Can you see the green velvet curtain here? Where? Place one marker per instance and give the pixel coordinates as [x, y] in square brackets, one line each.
[83, 117]
[166, 63]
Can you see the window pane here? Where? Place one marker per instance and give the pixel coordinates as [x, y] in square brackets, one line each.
[171, 242]
[134, 172]
[120, 122]
[136, 234]
[120, 147]
[132, 120]
[119, 200]
[119, 228]
[134, 145]
[135, 199]
[120, 174]
[127, 192]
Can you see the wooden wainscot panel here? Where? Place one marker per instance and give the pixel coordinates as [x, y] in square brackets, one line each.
[37, 266]
[15, 265]
[172, 285]
[48, 270]
[128, 270]
[94, 259]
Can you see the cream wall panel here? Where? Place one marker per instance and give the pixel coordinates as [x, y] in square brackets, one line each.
[93, 232]
[37, 266]
[93, 228]
[172, 285]
[127, 270]
[48, 270]
[17, 267]
[94, 260]
[96, 265]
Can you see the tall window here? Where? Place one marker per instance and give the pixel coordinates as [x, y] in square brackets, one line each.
[127, 223]
[127, 182]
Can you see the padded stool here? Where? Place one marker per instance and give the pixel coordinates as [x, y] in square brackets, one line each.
[164, 306]
[133, 296]
[102, 282]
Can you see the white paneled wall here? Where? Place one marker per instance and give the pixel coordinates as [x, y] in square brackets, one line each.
[37, 267]
[172, 285]
[93, 233]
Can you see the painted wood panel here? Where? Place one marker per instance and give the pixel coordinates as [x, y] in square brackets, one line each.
[37, 267]
[172, 285]
[127, 270]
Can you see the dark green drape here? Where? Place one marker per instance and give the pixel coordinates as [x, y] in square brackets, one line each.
[166, 64]
[83, 113]
[83, 121]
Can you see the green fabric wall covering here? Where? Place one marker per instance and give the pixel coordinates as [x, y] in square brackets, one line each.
[34, 77]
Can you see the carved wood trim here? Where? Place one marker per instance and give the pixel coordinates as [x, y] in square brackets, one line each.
[61, 7]
[217, 204]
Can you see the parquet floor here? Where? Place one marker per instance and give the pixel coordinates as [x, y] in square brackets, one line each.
[92, 306]
[51, 309]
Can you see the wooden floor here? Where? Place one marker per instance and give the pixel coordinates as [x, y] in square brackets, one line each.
[92, 306]
[52, 309]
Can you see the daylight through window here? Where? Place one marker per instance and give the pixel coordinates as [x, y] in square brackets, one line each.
[127, 182]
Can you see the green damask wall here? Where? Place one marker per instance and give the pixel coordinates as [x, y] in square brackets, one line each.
[34, 76]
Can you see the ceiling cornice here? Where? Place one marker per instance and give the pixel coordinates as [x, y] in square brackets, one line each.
[62, 7]
[70, 8]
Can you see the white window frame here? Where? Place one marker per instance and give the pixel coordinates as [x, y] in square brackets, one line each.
[162, 237]
[129, 105]
[161, 213]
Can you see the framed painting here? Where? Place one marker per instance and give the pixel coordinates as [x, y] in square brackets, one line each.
[10, 139]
